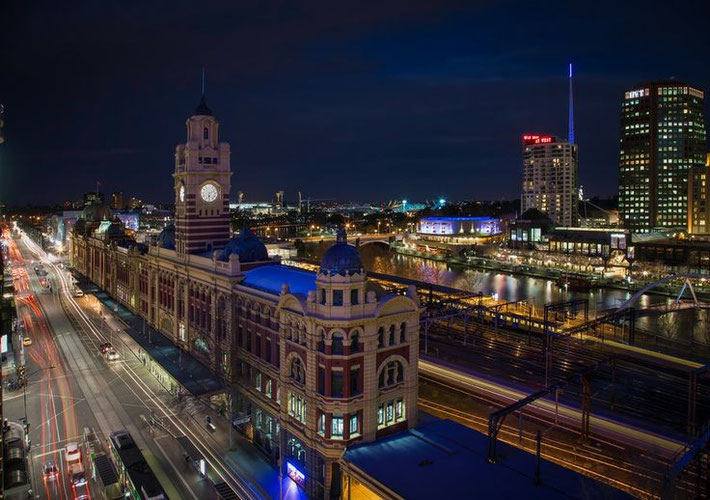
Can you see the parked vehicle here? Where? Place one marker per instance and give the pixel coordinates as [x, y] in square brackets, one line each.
[112, 355]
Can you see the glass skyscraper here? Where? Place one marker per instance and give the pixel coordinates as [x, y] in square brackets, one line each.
[662, 138]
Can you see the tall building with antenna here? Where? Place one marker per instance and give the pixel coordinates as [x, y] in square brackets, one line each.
[550, 173]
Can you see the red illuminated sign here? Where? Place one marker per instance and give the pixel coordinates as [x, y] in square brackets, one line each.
[538, 139]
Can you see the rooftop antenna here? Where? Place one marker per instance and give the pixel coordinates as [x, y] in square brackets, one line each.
[203, 80]
[570, 131]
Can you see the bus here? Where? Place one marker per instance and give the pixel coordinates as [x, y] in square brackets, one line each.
[133, 471]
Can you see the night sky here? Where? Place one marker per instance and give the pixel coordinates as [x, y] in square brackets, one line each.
[362, 101]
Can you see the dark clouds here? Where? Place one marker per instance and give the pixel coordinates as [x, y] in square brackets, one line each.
[359, 101]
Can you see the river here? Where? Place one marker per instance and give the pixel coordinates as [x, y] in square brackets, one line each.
[684, 326]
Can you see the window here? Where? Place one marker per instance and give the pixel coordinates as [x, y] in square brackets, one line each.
[321, 424]
[257, 382]
[391, 339]
[268, 388]
[258, 345]
[380, 415]
[183, 334]
[354, 381]
[321, 380]
[337, 297]
[205, 133]
[391, 374]
[336, 426]
[322, 295]
[381, 337]
[354, 425]
[337, 346]
[402, 333]
[240, 336]
[297, 372]
[399, 410]
[354, 297]
[295, 450]
[267, 353]
[336, 387]
[321, 341]
[354, 343]
[297, 407]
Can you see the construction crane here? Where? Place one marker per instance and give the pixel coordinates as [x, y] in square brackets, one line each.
[586, 201]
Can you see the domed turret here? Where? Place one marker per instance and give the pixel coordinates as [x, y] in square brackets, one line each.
[341, 258]
[116, 229]
[247, 246]
[166, 238]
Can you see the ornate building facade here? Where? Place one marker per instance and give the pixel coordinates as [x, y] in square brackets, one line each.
[315, 361]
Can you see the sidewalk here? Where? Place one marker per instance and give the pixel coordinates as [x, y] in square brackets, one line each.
[244, 459]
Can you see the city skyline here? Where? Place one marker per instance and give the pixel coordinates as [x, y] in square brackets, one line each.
[310, 102]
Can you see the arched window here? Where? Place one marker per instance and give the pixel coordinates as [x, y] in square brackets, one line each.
[297, 373]
[337, 346]
[391, 374]
[381, 337]
[354, 343]
[391, 339]
[205, 133]
[402, 333]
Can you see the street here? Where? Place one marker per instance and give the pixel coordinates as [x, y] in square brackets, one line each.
[73, 389]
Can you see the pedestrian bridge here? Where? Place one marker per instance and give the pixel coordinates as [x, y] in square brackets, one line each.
[676, 305]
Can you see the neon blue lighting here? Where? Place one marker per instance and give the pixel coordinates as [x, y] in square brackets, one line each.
[296, 475]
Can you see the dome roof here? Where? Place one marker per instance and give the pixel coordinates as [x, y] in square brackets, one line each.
[247, 246]
[166, 238]
[116, 229]
[96, 213]
[341, 258]
[80, 225]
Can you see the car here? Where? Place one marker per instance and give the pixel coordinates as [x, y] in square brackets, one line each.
[50, 471]
[112, 355]
[76, 474]
[26, 341]
[81, 491]
[73, 453]
[78, 292]
[105, 347]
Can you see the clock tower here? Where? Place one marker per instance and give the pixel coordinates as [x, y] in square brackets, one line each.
[202, 184]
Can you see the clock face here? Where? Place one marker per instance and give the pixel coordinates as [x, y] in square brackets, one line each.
[181, 193]
[209, 192]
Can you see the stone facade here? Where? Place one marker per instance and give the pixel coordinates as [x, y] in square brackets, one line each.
[315, 367]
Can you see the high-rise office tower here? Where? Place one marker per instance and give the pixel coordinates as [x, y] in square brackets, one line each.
[699, 199]
[662, 138]
[550, 178]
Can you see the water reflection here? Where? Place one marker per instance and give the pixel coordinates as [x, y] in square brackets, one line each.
[683, 325]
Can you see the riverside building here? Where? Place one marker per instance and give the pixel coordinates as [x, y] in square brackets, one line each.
[662, 140]
[550, 178]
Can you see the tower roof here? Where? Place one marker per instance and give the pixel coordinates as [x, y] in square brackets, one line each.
[341, 258]
[202, 108]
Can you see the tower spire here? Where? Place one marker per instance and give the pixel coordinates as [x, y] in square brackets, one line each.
[203, 81]
[570, 130]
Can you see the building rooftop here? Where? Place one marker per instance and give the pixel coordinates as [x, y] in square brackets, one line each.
[269, 278]
[445, 457]
[445, 219]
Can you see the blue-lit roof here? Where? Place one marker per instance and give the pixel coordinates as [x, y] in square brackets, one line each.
[270, 278]
[446, 219]
[445, 456]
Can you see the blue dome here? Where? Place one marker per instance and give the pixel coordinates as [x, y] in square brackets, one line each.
[166, 238]
[247, 246]
[341, 258]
